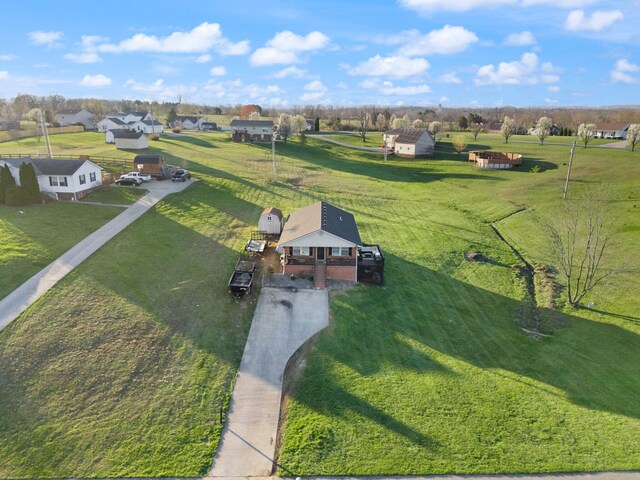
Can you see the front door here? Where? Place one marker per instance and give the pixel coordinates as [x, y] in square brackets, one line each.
[320, 253]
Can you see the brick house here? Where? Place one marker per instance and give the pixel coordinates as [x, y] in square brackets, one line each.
[321, 240]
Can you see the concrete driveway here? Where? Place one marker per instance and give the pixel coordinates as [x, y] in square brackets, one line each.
[26, 294]
[284, 320]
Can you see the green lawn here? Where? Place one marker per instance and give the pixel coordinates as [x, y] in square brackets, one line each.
[32, 237]
[116, 195]
[122, 368]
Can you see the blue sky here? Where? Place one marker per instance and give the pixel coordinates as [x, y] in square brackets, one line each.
[458, 53]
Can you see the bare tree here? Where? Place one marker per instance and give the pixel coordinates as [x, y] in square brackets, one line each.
[581, 240]
[459, 143]
[254, 116]
[364, 124]
[586, 132]
[475, 129]
[381, 122]
[633, 135]
[508, 128]
[298, 124]
[543, 128]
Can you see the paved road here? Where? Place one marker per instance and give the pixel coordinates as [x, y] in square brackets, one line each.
[284, 320]
[26, 294]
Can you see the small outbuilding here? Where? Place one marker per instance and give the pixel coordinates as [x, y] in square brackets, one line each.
[495, 160]
[409, 142]
[270, 221]
[129, 140]
[154, 165]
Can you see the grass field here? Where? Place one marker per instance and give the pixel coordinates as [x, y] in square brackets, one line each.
[127, 361]
[116, 195]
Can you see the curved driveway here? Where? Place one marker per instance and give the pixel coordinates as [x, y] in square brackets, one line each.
[26, 294]
[367, 149]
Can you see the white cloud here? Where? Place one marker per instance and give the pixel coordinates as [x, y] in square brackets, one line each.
[95, 81]
[578, 21]
[450, 78]
[408, 90]
[393, 67]
[204, 58]
[234, 91]
[45, 38]
[623, 70]
[7, 58]
[520, 39]
[285, 47]
[444, 99]
[550, 100]
[315, 90]
[446, 41]
[430, 6]
[553, 88]
[199, 40]
[158, 90]
[525, 71]
[369, 83]
[85, 57]
[4, 74]
[291, 71]
[218, 71]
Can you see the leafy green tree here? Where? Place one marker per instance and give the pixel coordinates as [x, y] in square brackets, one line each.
[463, 123]
[317, 124]
[6, 182]
[29, 183]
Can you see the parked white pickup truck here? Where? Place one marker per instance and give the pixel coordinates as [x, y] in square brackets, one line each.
[143, 177]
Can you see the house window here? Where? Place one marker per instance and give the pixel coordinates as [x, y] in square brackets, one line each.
[63, 181]
[340, 251]
[53, 181]
[92, 176]
[83, 179]
[301, 251]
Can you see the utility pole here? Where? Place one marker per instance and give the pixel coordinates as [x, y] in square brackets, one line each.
[273, 154]
[566, 184]
[385, 151]
[45, 134]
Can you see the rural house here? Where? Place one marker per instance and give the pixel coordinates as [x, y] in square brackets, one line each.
[129, 140]
[74, 117]
[409, 142]
[146, 126]
[270, 221]
[611, 130]
[320, 240]
[252, 131]
[63, 179]
[110, 123]
[187, 122]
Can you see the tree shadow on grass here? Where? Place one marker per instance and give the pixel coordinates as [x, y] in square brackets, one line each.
[595, 364]
[367, 164]
[188, 139]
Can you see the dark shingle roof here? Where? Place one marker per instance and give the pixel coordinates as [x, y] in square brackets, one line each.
[115, 120]
[407, 135]
[183, 118]
[148, 158]
[151, 122]
[48, 166]
[119, 133]
[251, 123]
[613, 127]
[320, 216]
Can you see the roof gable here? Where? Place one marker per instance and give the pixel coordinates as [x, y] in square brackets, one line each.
[50, 166]
[320, 216]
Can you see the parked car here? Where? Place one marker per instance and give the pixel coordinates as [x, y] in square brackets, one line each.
[180, 175]
[144, 177]
[129, 181]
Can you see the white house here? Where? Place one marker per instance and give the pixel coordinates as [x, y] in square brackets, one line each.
[65, 179]
[409, 142]
[270, 221]
[130, 140]
[187, 122]
[73, 117]
[611, 130]
[251, 130]
[146, 126]
[110, 123]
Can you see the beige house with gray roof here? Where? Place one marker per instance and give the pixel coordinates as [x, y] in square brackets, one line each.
[409, 142]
